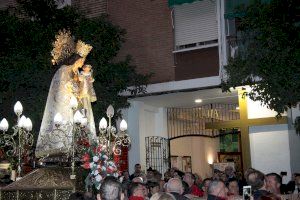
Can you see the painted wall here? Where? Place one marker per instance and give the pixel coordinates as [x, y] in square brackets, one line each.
[143, 121]
[200, 149]
[256, 110]
[273, 147]
[270, 150]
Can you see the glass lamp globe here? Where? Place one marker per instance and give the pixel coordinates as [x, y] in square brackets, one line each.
[102, 124]
[123, 125]
[18, 108]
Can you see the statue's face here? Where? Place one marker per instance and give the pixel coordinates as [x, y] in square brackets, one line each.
[79, 63]
[86, 69]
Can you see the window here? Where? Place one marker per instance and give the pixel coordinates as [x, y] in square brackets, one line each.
[195, 25]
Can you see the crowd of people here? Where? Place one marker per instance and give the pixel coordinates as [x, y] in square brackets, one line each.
[177, 185]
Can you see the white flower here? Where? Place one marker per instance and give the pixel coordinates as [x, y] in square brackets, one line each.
[95, 158]
[111, 163]
[98, 178]
[105, 157]
[96, 172]
[103, 168]
[92, 164]
[98, 187]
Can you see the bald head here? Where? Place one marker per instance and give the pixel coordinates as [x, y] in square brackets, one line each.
[217, 188]
[175, 185]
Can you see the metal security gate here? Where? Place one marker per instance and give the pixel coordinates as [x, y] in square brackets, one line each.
[157, 153]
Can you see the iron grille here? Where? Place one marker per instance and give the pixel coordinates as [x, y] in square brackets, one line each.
[191, 121]
[157, 153]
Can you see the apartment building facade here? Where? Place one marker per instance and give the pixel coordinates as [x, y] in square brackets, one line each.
[185, 44]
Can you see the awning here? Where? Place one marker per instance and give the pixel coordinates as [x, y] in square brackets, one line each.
[179, 2]
[232, 5]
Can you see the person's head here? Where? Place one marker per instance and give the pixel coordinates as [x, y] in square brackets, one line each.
[216, 174]
[205, 185]
[157, 175]
[217, 188]
[297, 179]
[137, 190]
[176, 175]
[175, 185]
[222, 177]
[138, 180]
[125, 174]
[137, 168]
[86, 68]
[257, 180]
[110, 189]
[150, 173]
[153, 187]
[274, 182]
[247, 172]
[229, 171]
[233, 186]
[162, 196]
[189, 178]
[167, 175]
[76, 196]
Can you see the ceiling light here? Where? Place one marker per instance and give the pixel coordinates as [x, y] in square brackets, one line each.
[198, 100]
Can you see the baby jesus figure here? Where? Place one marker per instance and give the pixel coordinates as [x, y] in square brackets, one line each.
[86, 89]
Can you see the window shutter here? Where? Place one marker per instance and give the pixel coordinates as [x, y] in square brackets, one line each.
[195, 23]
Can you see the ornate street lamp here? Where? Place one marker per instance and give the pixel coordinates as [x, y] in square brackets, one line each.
[21, 140]
[109, 137]
[77, 129]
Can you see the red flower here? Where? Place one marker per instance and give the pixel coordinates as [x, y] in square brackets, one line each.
[109, 171]
[84, 142]
[86, 157]
[99, 149]
[86, 165]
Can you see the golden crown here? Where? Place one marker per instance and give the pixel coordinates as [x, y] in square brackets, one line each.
[63, 46]
[83, 49]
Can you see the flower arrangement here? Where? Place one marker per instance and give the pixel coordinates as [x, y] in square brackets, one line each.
[97, 161]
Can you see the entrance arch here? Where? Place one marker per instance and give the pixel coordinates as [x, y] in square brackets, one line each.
[191, 140]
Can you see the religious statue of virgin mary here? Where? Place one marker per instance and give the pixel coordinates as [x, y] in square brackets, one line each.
[65, 86]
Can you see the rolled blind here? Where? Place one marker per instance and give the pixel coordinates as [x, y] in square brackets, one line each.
[195, 22]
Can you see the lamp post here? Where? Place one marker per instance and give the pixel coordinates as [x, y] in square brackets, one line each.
[20, 140]
[110, 138]
[76, 127]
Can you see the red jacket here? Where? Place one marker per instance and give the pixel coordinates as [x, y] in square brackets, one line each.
[135, 198]
[194, 190]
